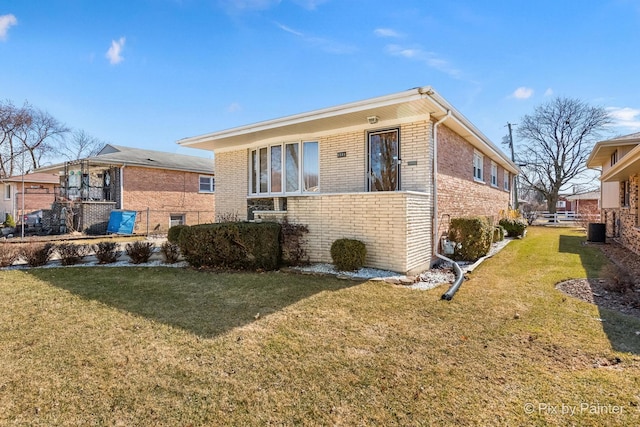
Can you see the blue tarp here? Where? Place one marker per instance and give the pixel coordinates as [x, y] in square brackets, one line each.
[121, 222]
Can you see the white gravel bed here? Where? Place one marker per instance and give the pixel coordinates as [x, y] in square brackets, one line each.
[441, 274]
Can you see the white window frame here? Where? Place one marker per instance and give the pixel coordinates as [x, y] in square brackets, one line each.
[478, 166]
[212, 184]
[255, 168]
[494, 174]
[561, 204]
[7, 192]
[183, 219]
[506, 180]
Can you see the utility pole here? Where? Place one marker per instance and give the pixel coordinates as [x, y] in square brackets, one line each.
[513, 159]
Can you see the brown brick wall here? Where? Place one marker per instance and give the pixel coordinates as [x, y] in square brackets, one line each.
[164, 192]
[459, 195]
[35, 198]
[622, 223]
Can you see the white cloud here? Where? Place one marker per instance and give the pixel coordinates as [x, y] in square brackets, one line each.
[6, 22]
[386, 32]
[548, 92]
[625, 117]
[522, 93]
[310, 4]
[247, 5]
[234, 107]
[431, 59]
[114, 54]
[289, 30]
[324, 44]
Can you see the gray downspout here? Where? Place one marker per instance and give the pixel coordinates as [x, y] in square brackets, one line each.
[436, 241]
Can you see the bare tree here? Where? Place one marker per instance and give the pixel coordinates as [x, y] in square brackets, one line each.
[27, 135]
[558, 138]
[79, 146]
[12, 119]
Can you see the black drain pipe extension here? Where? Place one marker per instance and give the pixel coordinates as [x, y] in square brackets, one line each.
[447, 296]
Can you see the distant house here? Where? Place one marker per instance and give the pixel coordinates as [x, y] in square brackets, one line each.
[586, 205]
[389, 171]
[38, 194]
[619, 162]
[164, 188]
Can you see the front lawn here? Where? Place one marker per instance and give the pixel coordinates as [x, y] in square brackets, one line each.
[165, 347]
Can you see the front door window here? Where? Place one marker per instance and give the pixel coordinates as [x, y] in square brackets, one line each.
[384, 165]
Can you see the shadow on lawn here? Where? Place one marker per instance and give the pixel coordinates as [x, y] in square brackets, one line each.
[203, 303]
[615, 325]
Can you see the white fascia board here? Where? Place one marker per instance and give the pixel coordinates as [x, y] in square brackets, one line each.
[367, 104]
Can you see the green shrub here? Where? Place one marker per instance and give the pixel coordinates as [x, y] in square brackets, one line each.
[173, 235]
[37, 254]
[237, 245]
[9, 221]
[473, 237]
[348, 254]
[170, 252]
[139, 251]
[71, 254]
[106, 252]
[8, 254]
[498, 233]
[293, 240]
[513, 226]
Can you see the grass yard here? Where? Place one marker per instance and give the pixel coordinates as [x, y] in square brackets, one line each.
[167, 347]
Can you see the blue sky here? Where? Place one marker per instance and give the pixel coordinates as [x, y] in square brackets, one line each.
[146, 73]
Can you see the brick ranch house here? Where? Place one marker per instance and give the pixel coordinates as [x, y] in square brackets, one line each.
[585, 205]
[389, 171]
[164, 188]
[619, 162]
[39, 193]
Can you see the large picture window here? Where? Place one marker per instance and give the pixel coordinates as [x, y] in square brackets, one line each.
[285, 168]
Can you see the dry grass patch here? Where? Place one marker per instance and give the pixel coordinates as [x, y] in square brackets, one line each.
[166, 346]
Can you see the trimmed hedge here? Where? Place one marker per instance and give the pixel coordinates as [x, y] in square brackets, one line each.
[498, 233]
[173, 235]
[348, 254]
[473, 237]
[513, 226]
[236, 245]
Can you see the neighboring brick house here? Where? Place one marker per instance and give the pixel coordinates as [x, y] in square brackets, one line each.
[619, 162]
[38, 194]
[365, 170]
[585, 205]
[164, 188]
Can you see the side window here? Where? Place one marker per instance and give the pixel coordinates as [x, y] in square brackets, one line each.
[478, 160]
[494, 174]
[206, 184]
[176, 219]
